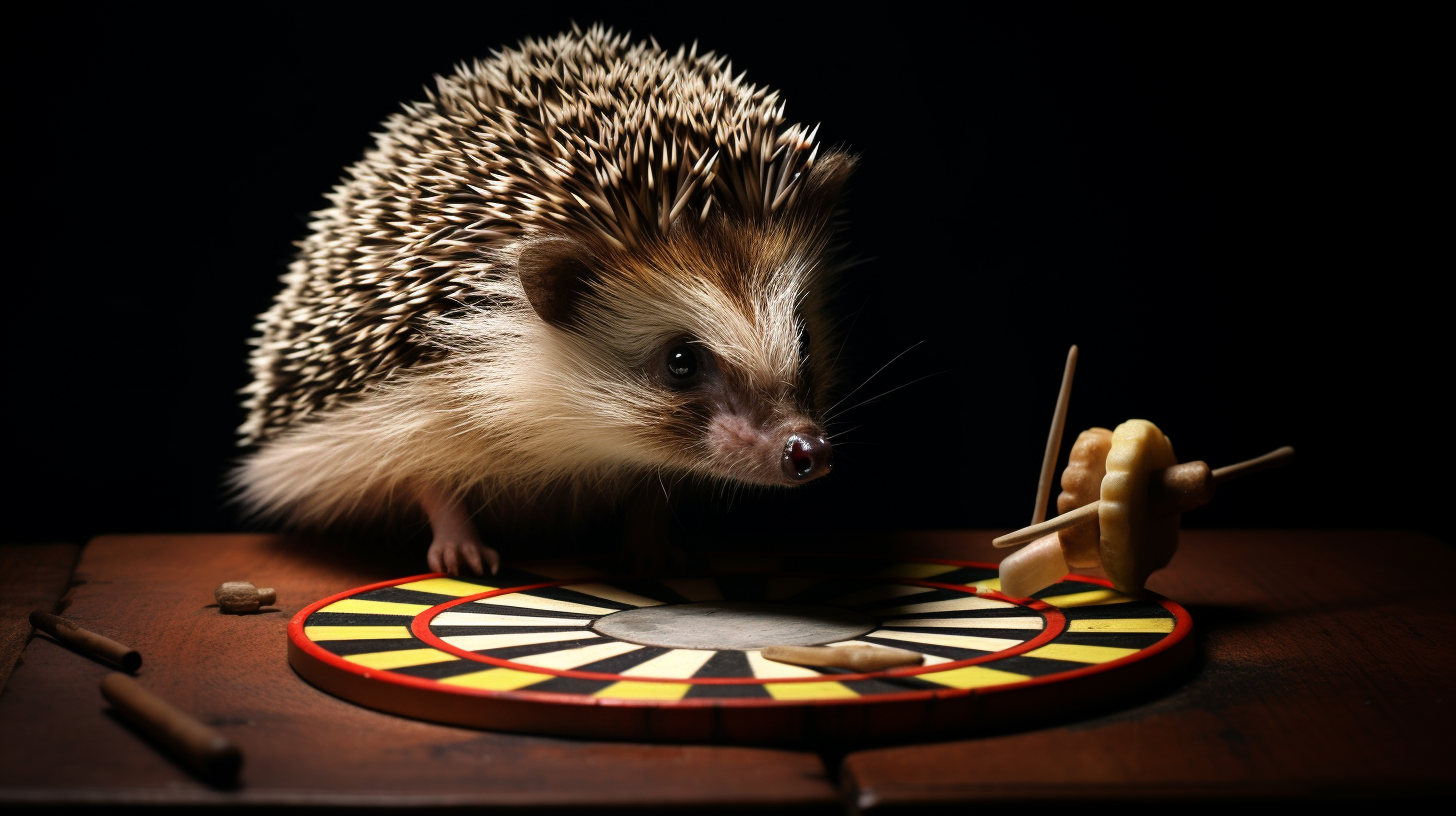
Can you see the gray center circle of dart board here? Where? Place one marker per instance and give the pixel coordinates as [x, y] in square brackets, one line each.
[735, 625]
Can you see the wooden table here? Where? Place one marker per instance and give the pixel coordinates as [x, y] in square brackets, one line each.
[1325, 668]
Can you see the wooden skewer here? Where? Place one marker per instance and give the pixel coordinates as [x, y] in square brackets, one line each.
[1272, 459]
[1054, 440]
[86, 640]
[185, 737]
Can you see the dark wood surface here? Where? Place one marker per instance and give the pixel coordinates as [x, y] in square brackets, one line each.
[1326, 668]
[32, 576]
[302, 746]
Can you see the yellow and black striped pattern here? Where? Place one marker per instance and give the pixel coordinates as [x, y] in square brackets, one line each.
[544, 639]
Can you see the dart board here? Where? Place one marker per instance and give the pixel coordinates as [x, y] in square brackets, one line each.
[572, 649]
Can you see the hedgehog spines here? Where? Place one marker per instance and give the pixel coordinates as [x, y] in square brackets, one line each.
[587, 134]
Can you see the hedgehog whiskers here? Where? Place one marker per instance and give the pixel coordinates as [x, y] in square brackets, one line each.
[829, 412]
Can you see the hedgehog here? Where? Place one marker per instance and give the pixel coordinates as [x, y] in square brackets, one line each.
[579, 271]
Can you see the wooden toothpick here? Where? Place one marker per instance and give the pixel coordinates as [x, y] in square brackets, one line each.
[1036, 531]
[1054, 440]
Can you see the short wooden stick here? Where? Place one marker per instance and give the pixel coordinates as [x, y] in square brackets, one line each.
[201, 748]
[84, 640]
[1054, 440]
[1272, 459]
[1086, 512]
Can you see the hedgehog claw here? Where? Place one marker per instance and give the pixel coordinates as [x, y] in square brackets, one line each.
[454, 556]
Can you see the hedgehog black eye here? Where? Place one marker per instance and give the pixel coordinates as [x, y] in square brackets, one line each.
[682, 361]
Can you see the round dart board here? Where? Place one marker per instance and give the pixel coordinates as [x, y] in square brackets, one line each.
[568, 648]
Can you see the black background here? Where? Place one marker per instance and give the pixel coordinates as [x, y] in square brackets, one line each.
[1232, 212]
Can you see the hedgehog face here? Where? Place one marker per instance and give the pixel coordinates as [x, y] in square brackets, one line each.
[708, 336]
[733, 426]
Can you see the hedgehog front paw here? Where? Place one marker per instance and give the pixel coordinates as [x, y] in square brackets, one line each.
[452, 555]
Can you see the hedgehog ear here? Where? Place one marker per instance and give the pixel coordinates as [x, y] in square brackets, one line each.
[824, 184]
[556, 273]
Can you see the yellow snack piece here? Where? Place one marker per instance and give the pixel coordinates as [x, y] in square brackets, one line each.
[1082, 485]
[1134, 542]
[1034, 567]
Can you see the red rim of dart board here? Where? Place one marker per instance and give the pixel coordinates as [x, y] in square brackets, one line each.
[523, 652]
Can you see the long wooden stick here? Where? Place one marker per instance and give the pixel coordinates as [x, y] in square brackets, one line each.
[1272, 459]
[1036, 531]
[1054, 440]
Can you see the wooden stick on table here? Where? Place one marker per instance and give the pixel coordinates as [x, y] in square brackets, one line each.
[85, 640]
[201, 748]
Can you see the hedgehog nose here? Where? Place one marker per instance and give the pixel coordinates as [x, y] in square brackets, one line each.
[807, 456]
